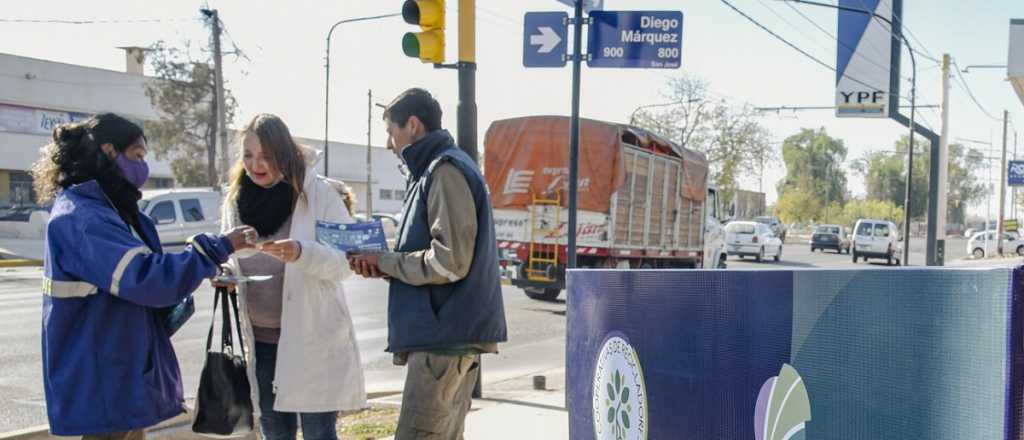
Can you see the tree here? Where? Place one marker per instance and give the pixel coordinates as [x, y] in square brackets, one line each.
[885, 175]
[814, 169]
[183, 95]
[873, 209]
[733, 140]
[799, 205]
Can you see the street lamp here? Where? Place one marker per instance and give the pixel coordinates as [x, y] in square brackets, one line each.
[913, 103]
[327, 82]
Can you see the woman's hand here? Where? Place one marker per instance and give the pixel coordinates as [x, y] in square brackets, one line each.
[285, 250]
[242, 237]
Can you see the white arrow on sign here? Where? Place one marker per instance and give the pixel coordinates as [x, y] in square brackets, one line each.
[547, 39]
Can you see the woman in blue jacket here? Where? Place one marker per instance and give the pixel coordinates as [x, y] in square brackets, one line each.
[109, 369]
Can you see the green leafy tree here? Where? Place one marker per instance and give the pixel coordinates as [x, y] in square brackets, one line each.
[799, 205]
[815, 174]
[731, 137]
[183, 96]
[873, 209]
[885, 176]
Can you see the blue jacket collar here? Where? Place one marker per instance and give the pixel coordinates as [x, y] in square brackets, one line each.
[90, 190]
[419, 154]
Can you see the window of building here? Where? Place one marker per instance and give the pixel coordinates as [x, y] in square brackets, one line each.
[191, 210]
[399, 194]
[386, 194]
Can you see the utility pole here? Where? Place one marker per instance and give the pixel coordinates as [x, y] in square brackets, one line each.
[218, 75]
[942, 195]
[1002, 186]
[467, 79]
[369, 156]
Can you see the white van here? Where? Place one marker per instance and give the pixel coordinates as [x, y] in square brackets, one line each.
[877, 239]
[182, 213]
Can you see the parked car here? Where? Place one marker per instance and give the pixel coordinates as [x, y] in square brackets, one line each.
[833, 237]
[752, 239]
[778, 228]
[181, 213]
[877, 239]
[984, 243]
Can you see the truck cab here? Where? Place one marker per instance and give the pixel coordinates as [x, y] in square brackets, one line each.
[714, 233]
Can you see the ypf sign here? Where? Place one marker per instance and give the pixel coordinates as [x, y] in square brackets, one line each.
[863, 60]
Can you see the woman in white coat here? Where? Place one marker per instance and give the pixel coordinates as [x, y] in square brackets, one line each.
[306, 366]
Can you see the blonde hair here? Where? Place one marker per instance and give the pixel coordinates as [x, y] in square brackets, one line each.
[282, 152]
[347, 195]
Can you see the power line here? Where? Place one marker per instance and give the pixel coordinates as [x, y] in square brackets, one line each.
[57, 21]
[927, 53]
[826, 32]
[793, 46]
[963, 84]
[784, 20]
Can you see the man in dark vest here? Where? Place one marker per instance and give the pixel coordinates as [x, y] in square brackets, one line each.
[444, 304]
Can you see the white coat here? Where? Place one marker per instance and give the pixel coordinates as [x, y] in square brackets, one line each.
[318, 367]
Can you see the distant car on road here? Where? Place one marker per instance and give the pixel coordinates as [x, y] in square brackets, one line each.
[833, 237]
[752, 239]
[778, 228]
[181, 213]
[877, 239]
[984, 243]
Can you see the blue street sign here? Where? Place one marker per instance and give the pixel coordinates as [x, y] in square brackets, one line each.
[544, 39]
[1015, 176]
[637, 39]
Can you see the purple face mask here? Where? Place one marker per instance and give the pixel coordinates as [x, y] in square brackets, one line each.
[136, 171]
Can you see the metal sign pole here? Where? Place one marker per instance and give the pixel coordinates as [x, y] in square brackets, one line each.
[574, 136]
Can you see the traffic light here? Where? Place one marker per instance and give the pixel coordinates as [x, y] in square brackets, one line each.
[427, 45]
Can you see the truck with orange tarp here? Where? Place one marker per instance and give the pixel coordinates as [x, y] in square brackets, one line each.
[643, 201]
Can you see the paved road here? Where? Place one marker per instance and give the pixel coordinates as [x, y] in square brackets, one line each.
[536, 342]
[796, 254]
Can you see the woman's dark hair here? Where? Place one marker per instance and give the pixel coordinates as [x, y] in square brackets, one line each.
[75, 155]
[418, 103]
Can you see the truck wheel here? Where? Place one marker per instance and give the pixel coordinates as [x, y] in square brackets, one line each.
[542, 294]
[760, 256]
[1020, 251]
[723, 265]
[888, 260]
[854, 258]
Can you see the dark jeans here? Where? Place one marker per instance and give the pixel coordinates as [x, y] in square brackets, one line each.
[283, 425]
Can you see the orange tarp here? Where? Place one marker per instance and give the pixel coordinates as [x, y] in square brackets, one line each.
[524, 157]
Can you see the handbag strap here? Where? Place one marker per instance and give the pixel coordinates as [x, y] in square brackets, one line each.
[209, 336]
[226, 345]
[238, 321]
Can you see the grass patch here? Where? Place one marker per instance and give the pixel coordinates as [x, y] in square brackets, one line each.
[369, 424]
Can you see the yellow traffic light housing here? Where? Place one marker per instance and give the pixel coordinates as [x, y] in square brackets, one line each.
[427, 45]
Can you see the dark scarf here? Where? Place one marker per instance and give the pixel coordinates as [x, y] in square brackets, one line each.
[265, 209]
[421, 153]
[125, 198]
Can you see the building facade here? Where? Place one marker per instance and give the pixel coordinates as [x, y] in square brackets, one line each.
[37, 95]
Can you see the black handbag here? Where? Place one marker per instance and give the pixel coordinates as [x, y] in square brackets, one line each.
[223, 403]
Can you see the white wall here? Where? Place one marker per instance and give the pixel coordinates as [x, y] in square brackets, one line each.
[60, 87]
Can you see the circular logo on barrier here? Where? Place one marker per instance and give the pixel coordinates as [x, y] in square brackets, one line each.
[620, 397]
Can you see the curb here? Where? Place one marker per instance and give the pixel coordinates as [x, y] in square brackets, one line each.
[20, 262]
[177, 427]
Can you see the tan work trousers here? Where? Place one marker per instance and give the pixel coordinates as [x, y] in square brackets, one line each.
[438, 394]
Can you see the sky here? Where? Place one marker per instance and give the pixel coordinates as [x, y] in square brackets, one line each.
[284, 45]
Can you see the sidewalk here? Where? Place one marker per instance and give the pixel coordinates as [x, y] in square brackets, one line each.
[513, 410]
